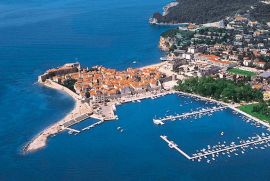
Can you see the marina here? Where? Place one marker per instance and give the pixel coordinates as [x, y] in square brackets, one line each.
[174, 146]
[114, 34]
[72, 130]
[160, 121]
[255, 142]
[92, 125]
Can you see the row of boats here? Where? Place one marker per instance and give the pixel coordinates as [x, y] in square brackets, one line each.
[222, 149]
[210, 153]
[195, 114]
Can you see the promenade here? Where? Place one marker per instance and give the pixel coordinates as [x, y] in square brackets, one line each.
[146, 95]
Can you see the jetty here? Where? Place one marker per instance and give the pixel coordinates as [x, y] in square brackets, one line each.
[92, 125]
[160, 121]
[234, 146]
[72, 130]
[221, 148]
[174, 146]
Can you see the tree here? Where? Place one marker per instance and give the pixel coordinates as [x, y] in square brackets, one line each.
[223, 89]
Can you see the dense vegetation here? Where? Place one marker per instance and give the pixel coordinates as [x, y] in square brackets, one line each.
[173, 32]
[69, 83]
[261, 12]
[220, 89]
[213, 36]
[204, 11]
[209, 36]
[260, 110]
[170, 33]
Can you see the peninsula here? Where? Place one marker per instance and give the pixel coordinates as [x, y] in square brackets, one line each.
[208, 11]
[97, 91]
[227, 61]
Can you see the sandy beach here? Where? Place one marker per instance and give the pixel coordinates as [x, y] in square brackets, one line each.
[80, 108]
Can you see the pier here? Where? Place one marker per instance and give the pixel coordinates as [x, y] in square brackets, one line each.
[92, 125]
[260, 140]
[174, 146]
[72, 130]
[160, 121]
[219, 148]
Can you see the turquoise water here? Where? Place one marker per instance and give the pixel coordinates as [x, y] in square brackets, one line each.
[37, 35]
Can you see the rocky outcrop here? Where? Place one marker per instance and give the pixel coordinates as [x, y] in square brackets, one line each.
[165, 43]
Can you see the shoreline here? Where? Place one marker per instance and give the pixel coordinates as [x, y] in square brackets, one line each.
[40, 140]
[153, 21]
[231, 106]
[166, 8]
[84, 110]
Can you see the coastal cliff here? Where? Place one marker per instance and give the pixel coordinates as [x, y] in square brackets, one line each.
[164, 44]
[167, 39]
[205, 11]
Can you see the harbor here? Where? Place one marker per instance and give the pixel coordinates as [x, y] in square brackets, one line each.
[131, 119]
[255, 142]
[84, 109]
[42, 35]
[160, 121]
[223, 148]
[92, 125]
[77, 131]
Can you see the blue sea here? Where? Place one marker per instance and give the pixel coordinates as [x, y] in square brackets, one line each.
[38, 35]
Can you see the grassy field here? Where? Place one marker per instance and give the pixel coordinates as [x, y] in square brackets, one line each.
[248, 109]
[241, 72]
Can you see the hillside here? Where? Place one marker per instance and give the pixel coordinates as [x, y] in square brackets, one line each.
[261, 12]
[204, 11]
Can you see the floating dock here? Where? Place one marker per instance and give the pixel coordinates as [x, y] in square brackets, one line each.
[174, 146]
[72, 130]
[160, 121]
[92, 125]
[205, 153]
[260, 140]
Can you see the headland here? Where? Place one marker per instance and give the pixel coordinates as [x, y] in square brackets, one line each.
[97, 91]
